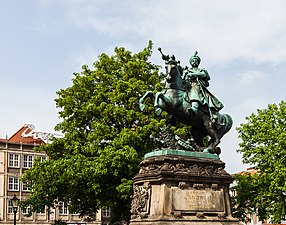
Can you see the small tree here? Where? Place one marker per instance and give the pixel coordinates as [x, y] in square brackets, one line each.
[264, 147]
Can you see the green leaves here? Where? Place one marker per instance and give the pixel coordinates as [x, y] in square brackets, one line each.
[263, 130]
[105, 136]
[243, 202]
[263, 146]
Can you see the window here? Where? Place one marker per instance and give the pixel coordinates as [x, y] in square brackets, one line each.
[63, 210]
[25, 187]
[233, 193]
[106, 212]
[13, 184]
[13, 160]
[42, 158]
[28, 161]
[10, 207]
[26, 210]
[40, 211]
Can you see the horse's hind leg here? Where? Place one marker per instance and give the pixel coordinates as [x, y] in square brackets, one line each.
[149, 94]
[214, 141]
[198, 137]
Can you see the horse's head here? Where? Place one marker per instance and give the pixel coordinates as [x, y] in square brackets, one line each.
[171, 66]
[173, 72]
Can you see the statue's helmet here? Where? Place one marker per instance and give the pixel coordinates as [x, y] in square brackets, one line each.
[195, 56]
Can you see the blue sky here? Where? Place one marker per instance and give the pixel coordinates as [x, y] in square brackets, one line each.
[43, 42]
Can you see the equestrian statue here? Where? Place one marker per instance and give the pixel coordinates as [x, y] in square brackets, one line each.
[188, 101]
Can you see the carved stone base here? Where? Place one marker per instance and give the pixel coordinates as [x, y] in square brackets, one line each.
[183, 190]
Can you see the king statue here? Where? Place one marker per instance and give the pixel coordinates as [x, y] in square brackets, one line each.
[187, 99]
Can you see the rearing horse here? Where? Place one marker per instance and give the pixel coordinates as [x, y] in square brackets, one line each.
[207, 122]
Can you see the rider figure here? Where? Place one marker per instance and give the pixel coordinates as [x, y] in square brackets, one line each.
[197, 82]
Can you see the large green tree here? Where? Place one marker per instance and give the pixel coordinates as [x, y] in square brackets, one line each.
[105, 136]
[264, 147]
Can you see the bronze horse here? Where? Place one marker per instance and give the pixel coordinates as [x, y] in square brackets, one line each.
[206, 123]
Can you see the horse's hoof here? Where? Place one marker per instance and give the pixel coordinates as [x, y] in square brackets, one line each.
[141, 106]
[158, 111]
[217, 150]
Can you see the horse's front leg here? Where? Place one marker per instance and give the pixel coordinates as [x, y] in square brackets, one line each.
[166, 100]
[149, 94]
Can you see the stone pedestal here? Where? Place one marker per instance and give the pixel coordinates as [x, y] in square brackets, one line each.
[184, 188]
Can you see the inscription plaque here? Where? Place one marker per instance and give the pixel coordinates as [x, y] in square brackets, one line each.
[198, 200]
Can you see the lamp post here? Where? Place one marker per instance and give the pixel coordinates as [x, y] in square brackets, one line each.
[15, 204]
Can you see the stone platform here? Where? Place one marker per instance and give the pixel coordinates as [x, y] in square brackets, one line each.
[183, 188]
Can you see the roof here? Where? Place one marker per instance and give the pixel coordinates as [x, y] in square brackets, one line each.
[251, 171]
[25, 135]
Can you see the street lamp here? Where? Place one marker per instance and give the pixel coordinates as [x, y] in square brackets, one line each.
[15, 204]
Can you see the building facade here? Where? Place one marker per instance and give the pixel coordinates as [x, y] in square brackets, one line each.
[16, 157]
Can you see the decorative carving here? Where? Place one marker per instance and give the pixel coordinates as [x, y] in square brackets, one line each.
[29, 132]
[198, 186]
[177, 215]
[220, 170]
[214, 187]
[208, 170]
[221, 216]
[150, 167]
[165, 138]
[194, 169]
[167, 167]
[183, 185]
[200, 215]
[140, 200]
[182, 167]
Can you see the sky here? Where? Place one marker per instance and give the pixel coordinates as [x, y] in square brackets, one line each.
[43, 42]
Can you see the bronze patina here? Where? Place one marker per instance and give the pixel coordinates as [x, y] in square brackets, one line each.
[187, 99]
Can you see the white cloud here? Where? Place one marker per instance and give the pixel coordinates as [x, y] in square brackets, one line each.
[251, 105]
[223, 30]
[251, 77]
[86, 57]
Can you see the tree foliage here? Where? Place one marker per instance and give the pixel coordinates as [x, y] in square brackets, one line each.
[264, 147]
[247, 199]
[105, 136]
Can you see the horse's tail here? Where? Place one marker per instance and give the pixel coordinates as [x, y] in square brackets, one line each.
[225, 121]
